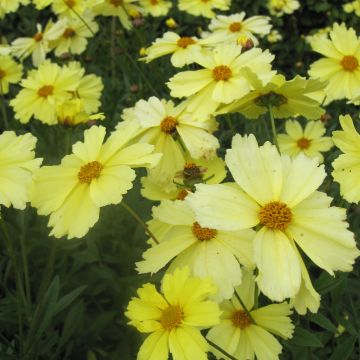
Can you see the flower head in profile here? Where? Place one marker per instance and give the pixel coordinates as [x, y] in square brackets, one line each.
[310, 141]
[203, 8]
[286, 98]
[174, 317]
[248, 332]
[207, 251]
[10, 73]
[222, 79]
[96, 174]
[17, 167]
[282, 7]
[279, 196]
[346, 167]
[341, 65]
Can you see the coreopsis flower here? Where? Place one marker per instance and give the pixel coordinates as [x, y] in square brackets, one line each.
[246, 333]
[17, 167]
[286, 98]
[123, 9]
[203, 8]
[352, 6]
[38, 45]
[174, 317]
[346, 166]
[274, 36]
[169, 128]
[192, 172]
[182, 48]
[10, 73]
[74, 39]
[43, 90]
[155, 7]
[319, 34]
[340, 67]
[222, 79]
[74, 8]
[310, 141]
[279, 196]
[10, 6]
[231, 28]
[96, 174]
[207, 251]
[281, 7]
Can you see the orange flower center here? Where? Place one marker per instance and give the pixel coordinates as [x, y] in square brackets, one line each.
[68, 33]
[154, 2]
[185, 41]
[303, 143]
[275, 215]
[182, 195]
[45, 91]
[203, 234]
[235, 27]
[240, 319]
[168, 125]
[89, 171]
[171, 317]
[70, 3]
[116, 3]
[38, 36]
[2, 74]
[222, 72]
[349, 63]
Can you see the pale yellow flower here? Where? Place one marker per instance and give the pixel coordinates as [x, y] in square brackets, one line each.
[155, 7]
[203, 8]
[10, 73]
[281, 7]
[10, 6]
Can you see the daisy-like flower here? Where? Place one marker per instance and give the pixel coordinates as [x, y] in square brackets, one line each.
[123, 9]
[341, 65]
[71, 8]
[170, 127]
[274, 37]
[309, 141]
[279, 196]
[96, 174]
[43, 89]
[246, 333]
[74, 39]
[203, 8]
[193, 171]
[17, 167]
[207, 251]
[222, 79]
[182, 48]
[231, 28]
[281, 7]
[10, 6]
[347, 166]
[38, 45]
[155, 7]
[174, 317]
[286, 98]
[10, 73]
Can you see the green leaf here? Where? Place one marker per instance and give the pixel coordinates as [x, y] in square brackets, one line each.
[344, 350]
[323, 322]
[305, 338]
[66, 300]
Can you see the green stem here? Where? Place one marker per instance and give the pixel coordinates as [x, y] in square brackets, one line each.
[3, 109]
[112, 50]
[80, 17]
[138, 219]
[244, 307]
[273, 127]
[25, 260]
[230, 124]
[218, 348]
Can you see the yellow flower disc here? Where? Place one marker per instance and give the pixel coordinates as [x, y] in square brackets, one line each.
[168, 125]
[240, 319]
[203, 234]
[275, 215]
[89, 171]
[222, 72]
[235, 27]
[185, 41]
[46, 90]
[303, 143]
[349, 63]
[171, 317]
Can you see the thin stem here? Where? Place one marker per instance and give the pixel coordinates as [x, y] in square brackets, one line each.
[80, 17]
[217, 347]
[3, 110]
[138, 219]
[25, 260]
[112, 49]
[244, 307]
[273, 127]
[230, 124]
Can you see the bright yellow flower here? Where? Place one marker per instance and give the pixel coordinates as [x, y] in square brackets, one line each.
[238, 335]
[207, 251]
[10, 73]
[171, 23]
[174, 317]
[287, 98]
[203, 8]
[341, 65]
[281, 7]
[352, 6]
[279, 196]
[274, 36]
[309, 141]
[96, 174]
[183, 49]
[43, 90]
[347, 166]
[222, 79]
[17, 166]
[10, 6]
[155, 7]
[73, 8]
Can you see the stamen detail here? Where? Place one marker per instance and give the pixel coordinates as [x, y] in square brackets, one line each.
[349, 63]
[303, 143]
[275, 215]
[45, 91]
[185, 41]
[171, 317]
[203, 234]
[222, 72]
[38, 36]
[240, 319]
[235, 27]
[168, 125]
[89, 172]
